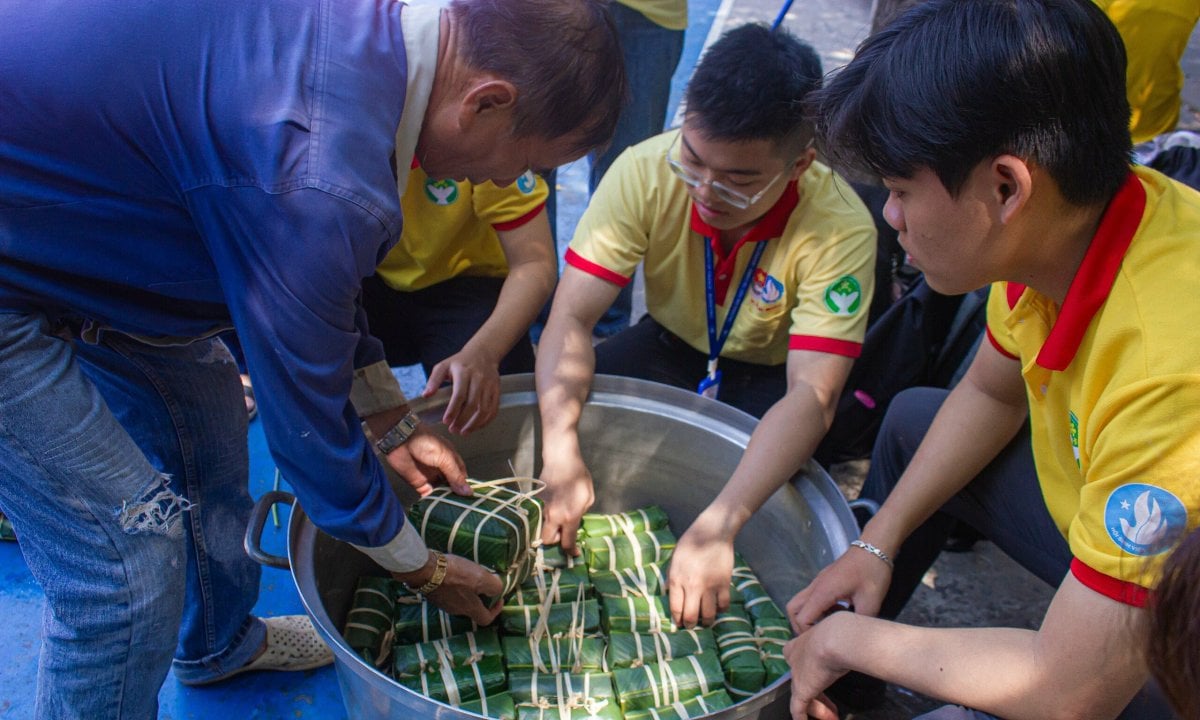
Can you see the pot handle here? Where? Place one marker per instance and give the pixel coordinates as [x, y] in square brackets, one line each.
[863, 510]
[254, 530]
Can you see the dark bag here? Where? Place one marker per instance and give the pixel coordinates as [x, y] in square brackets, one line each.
[922, 338]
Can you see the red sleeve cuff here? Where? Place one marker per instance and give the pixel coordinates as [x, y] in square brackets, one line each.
[1122, 591]
[514, 224]
[996, 344]
[576, 260]
[825, 345]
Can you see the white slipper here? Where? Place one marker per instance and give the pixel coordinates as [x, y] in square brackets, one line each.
[292, 645]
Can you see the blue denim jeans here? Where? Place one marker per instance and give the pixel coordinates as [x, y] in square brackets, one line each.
[124, 470]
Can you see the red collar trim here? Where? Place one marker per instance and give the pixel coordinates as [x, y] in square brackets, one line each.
[415, 163]
[770, 225]
[1096, 275]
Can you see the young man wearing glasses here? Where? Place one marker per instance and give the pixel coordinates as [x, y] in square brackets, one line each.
[759, 271]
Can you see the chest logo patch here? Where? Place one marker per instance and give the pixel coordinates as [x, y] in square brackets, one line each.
[441, 192]
[527, 183]
[765, 290]
[844, 297]
[1144, 519]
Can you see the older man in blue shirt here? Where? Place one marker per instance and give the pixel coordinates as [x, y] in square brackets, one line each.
[169, 170]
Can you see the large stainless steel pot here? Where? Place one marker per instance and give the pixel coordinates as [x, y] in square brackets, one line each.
[644, 443]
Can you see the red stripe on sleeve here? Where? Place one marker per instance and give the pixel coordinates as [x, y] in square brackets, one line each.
[575, 260]
[996, 344]
[1122, 591]
[514, 224]
[825, 345]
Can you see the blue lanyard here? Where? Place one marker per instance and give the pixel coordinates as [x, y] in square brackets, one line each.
[715, 343]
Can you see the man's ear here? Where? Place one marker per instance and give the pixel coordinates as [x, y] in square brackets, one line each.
[486, 98]
[1012, 184]
[802, 163]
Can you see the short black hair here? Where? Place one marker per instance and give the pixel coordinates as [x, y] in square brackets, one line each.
[563, 56]
[751, 85]
[952, 83]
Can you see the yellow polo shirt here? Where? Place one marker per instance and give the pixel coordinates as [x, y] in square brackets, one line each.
[1113, 380]
[1156, 34]
[450, 228]
[671, 14]
[812, 287]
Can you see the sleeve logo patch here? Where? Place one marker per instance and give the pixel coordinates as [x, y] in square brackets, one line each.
[527, 183]
[441, 192]
[765, 290]
[1144, 519]
[844, 297]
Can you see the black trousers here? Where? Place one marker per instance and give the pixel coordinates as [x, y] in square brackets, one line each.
[429, 325]
[649, 351]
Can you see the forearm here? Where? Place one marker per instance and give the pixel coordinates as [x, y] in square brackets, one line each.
[1003, 671]
[565, 367]
[781, 444]
[970, 429]
[522, 296]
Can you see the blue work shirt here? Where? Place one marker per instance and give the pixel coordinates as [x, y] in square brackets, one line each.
[170, 168]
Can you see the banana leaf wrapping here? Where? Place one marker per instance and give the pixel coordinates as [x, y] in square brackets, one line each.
[644, 581]
[565, 584]
[499, 705]
[458, 651]
[637, 614]
[421, 622]
[498, 527]
[578, 618]
[641, 520]
[773, 634]
[455, 685]
[740, 658]
[549, 710]
[369, 624]
[551, 557]
[530, 687]
[694, 707]
[755, 598]
[637, 649]
[613, 552]
[659, 684]
[548, 655]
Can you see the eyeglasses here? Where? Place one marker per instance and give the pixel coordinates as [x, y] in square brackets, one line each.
[733, 197]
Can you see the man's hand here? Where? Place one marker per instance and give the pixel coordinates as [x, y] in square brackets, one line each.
[812, 672]
[425, 458]
[475, 390]
[701, 568]
[568, 495]
[460, 591]
[857, 577]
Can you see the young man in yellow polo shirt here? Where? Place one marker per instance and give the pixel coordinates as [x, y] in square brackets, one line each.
[733, 214]
[457, 294]
[1073, 442]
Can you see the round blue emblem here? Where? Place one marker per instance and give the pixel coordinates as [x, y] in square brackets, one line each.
[1144, 519]
[527, 182]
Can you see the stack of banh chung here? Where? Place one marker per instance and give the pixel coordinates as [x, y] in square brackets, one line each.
[586, 638]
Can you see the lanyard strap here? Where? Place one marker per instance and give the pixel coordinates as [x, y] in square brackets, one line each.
[715, 342]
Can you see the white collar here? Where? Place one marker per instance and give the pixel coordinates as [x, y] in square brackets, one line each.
[420, 26]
